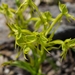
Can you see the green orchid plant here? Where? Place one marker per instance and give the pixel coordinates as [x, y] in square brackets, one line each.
[35, 41]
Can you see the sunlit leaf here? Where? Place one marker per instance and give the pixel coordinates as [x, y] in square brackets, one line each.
[47, 15]
[26, 50]
[23, 6]
[38, 24]
[57, 42]
[63, 8]
[30, 38]
[71, 43]
[70, 16]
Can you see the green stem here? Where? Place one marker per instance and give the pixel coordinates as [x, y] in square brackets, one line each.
[58, 18]
[40, 60]
[32, 4]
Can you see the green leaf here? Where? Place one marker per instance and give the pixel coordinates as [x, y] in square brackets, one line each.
[47, 15]
[63, 8]
[53, 32]
[18, 2]
[26, 50]
[6, 11]
[67, 40]
[70, 16]
[23, 6]
[65, 47]
[63, 54]
[57, 42]
[17, 31]
[21, 42]
[5, 6]
[43, 38]
[1, 10]
[21, 64]
[37, 24]
[18, 54]
[71, 43]
[30, 38]
[26, 32]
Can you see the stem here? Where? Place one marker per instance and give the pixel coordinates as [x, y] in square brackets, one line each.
[40, 60]
[58, 18]
[23, 6]
[32, 4]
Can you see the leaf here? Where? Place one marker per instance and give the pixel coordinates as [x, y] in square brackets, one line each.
[6, 11]
[26, 32]
[18, 53]
[43, 38]
[71, 43]
[17, 31]
[47, 15]
[18, 35]
[23, 6]
[26, 50]
[37, 24]
[63, 8]
[53, 32]
[63, 54]
[51, 48]
[1, 10]
[70, 16]
[30, 38]
[67, 40]
[18, 2]
[5, 6]
[22, 64]
[65, 47]
[21, 42]
[57, 42]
